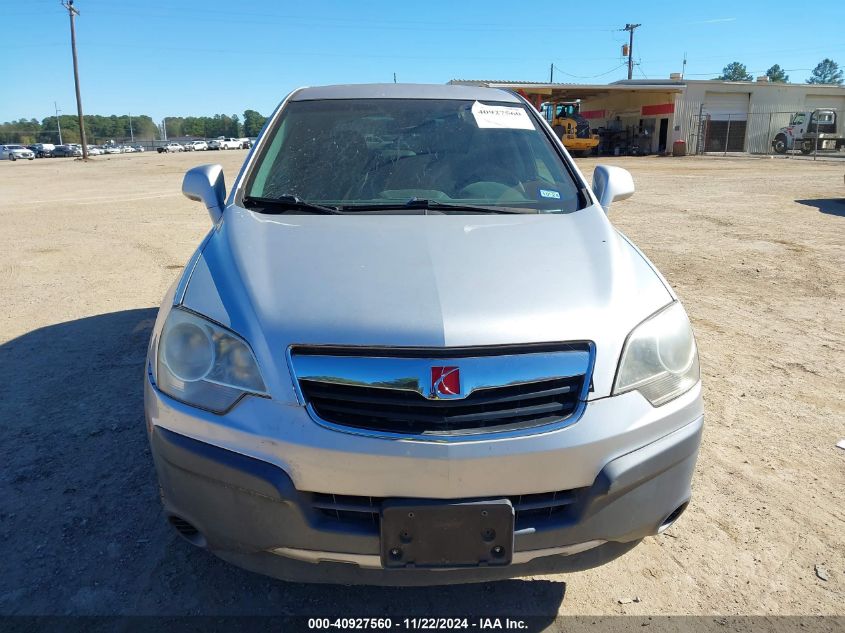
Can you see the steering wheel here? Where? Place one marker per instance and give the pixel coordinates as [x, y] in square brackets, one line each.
[492, 174]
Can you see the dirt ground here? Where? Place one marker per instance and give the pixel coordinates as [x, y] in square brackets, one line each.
[754, 247]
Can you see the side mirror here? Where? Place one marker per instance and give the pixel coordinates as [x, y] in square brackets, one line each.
[205, 184]
[611, 184]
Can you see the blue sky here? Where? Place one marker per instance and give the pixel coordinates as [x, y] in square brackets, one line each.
[200, 57]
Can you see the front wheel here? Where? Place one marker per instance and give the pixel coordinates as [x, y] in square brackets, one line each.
[12, 157]
[779, 144]
[807, 148]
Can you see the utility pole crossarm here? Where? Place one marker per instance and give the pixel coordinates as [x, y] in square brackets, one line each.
[73, 12]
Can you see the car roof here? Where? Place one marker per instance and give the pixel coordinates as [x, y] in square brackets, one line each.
[403, 91]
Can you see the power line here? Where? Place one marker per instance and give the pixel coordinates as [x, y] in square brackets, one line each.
[753, 72]
[588, 76]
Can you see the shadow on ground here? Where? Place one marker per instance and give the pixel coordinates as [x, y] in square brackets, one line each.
[80, 520]
[831, 206]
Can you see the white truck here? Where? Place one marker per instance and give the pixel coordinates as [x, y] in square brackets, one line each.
[819, 129]
[225, 142]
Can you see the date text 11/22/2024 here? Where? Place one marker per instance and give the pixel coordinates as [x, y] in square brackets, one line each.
[419, 623]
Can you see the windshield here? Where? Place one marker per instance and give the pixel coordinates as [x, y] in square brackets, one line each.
[798, 119]
[388, 152]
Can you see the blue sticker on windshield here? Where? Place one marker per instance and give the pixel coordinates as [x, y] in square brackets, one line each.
[548, 193]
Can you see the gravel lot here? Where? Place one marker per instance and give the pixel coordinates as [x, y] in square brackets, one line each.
[755, 248]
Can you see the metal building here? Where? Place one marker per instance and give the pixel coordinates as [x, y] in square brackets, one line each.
[646, 116]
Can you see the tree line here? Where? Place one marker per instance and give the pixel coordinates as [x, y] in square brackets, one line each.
[101, 129]
[826, 72]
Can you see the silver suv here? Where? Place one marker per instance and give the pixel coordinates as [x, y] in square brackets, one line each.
[413, 350]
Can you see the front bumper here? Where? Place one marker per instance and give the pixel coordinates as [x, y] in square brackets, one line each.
[259, 515]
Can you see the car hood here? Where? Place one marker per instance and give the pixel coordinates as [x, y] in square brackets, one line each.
[436, 280]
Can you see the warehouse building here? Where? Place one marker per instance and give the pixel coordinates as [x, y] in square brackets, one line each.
[646, 116]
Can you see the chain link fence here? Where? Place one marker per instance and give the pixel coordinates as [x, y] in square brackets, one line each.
[819, 133]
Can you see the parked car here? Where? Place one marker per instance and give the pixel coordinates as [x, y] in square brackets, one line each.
[421, 366]
[246, 143]
[93, 150]
[43, 150]
[67, 151]
[112, 149]
[199, 146]
[127, 149]
[139, 148]
[170, 147]
[14, 152]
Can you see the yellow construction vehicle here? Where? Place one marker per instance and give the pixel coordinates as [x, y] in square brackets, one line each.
[570, 127]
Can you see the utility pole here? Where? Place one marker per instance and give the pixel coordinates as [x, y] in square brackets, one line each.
[131, 133]
[630, 28]
[73, 12]
[552, 73]
[58, 123]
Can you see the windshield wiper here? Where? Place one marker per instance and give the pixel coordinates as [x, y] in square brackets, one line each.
[434, 205]
[283, 204]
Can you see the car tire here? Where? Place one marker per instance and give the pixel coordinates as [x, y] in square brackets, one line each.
[779, 144]
[12, 157]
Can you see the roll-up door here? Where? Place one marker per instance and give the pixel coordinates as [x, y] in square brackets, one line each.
[727, 116]
[811, 102]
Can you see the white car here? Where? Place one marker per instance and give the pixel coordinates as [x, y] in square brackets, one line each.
[198, 146]
[127, 149]
[112, 149]
[94, 151]
[170, 147]
[139, 148]
[14, 152]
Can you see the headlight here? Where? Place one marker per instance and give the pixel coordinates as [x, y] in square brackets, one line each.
[204, 364]
[659, 359]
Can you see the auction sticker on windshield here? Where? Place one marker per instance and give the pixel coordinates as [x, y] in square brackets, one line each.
[502, 117]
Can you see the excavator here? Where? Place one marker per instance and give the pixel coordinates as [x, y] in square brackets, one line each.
[570, 127]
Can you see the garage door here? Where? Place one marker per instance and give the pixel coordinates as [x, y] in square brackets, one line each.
[722, 106]
[822, 101]
[726, 118]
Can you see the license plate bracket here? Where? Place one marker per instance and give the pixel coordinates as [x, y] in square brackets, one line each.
[443, 534]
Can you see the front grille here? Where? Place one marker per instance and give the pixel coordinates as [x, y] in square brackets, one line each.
[530, 510]
[408, 412]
